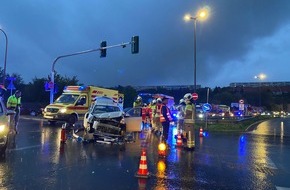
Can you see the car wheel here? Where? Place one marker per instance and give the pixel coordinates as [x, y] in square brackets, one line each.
[3, 150]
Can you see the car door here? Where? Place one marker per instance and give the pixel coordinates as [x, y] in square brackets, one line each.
[133, 119]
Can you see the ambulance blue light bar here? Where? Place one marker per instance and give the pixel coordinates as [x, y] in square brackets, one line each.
[82, 88]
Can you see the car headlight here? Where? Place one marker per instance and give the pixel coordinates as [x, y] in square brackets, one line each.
[62, 110]
[2, 128]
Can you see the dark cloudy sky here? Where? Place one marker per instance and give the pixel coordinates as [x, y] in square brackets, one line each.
[240, 39]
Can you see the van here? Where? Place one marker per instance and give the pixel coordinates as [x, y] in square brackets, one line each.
[74, 102]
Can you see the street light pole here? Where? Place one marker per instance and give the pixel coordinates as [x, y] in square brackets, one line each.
[5, 58]
[202, 15]
[194, 19]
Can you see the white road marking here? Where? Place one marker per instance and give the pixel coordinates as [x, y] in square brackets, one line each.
[282, 188]
[271, 164]
[24, 148]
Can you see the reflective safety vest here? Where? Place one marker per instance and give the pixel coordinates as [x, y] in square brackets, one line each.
[149, 112]
[144, 110]
[13, 102]
[180, 112]
[162, 118]
[189, 113]
[137, 104]
[153, 110]
[158, 110]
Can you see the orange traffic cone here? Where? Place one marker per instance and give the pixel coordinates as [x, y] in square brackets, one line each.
[200, 132]
[62, 134]
[179, 140]
[143, 171]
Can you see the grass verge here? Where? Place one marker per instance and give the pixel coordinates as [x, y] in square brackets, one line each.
[237, 125]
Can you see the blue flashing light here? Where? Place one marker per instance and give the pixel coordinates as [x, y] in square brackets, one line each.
[205, 133]
[242, 138]
[81, 88]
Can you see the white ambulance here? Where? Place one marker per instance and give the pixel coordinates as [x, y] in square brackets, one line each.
[74, 102]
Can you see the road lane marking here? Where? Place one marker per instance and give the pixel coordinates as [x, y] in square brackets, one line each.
[282, 188]
[271, 164]
[25, 148]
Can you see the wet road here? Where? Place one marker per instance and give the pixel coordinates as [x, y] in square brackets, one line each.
[254, 160]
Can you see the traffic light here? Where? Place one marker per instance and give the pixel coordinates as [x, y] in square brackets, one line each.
[103, 51]
[135, 44]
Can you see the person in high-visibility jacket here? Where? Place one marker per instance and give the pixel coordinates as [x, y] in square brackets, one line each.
[189, 121]
[153, 112]
[157, 116]
[165, 119]
[144, 111]
[149, 114]
[138, 102]
[14, 103]
[180, 116]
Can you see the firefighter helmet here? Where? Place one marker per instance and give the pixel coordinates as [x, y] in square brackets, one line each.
[154, 101]
[139, 98]
[187, 96]
[181, 101]
[159, 100]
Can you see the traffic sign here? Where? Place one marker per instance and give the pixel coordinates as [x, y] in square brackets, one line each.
[50, 84]
[242, 107]
[194, 96]
[206, 107]
[11, 86]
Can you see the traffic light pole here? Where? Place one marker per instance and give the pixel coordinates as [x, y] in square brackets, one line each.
[73, 54]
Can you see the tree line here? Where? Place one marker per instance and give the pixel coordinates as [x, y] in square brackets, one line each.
[34, 93]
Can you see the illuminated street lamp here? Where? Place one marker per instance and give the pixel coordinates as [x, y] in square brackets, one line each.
[201, 15]
[260, 77]
[5, 58]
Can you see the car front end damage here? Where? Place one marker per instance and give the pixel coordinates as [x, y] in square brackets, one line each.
[107, 127]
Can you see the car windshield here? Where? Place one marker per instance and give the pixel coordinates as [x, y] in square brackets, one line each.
[67, 98]
[105, 109]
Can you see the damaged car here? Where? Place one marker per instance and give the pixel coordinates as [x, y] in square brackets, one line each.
[105, 120]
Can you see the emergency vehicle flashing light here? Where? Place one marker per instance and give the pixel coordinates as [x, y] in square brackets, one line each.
[82, 88]
[161, 166]
[162, 147]
[74, 88]
[205, 133]
[242, 139]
